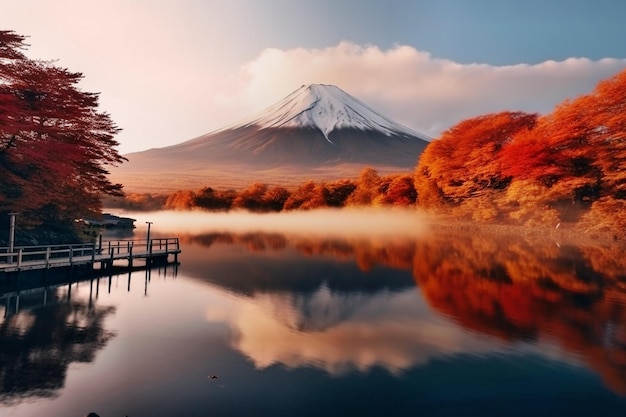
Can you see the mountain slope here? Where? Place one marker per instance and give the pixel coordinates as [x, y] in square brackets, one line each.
[316, 128]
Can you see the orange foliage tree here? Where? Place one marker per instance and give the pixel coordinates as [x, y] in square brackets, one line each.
[368, 187]
[208, 198]
[578, 152]
[307, 196]
[399, 191]
[463, 163]
[569, 165]
[180, 200]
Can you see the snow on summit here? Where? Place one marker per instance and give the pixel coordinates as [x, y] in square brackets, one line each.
[327, 108]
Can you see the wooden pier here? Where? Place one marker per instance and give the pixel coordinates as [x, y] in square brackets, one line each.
[26, 258]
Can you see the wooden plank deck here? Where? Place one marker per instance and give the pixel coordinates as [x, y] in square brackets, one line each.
[55, 256]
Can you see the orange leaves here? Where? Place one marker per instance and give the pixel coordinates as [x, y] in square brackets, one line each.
[557, 165]
[399, 192]
[464, 161]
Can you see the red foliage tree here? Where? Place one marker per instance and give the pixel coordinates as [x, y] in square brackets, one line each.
[54, 143]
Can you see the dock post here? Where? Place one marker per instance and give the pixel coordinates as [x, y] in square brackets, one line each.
[111, 251]
[130, 256]
[48, 251]
[19, 258]
[93, 255]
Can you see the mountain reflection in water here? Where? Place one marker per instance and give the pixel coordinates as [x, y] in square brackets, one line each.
[517, 290]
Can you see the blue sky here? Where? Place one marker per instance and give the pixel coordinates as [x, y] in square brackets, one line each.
[169, 71]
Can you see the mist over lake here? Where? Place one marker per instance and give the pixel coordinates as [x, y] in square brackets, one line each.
[338, 313]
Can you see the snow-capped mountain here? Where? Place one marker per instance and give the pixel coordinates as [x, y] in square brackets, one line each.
[327, 108]
[317, 132]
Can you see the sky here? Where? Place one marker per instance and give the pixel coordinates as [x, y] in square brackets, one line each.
[170, 70]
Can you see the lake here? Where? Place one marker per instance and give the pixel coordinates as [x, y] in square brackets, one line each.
[352, 313]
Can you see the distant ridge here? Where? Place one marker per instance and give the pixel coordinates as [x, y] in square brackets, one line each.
[317, 132]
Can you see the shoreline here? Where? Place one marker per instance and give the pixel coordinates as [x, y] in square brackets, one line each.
[566, 233]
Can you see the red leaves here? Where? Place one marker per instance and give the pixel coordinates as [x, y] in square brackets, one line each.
[53, 140]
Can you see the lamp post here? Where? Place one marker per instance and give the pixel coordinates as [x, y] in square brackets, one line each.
[148, 237]
[11, 234]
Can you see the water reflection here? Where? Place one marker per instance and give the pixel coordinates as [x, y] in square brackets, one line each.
[38, 345]
[532, 290]
[444, 324]
[339, 333]
[44, 330]
[307, 304]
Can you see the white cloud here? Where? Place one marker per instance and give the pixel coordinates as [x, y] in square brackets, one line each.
[423, 92]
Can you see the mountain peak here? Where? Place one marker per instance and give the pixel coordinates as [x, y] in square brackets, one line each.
[326, 108]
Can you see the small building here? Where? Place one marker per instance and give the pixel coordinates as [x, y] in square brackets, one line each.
[110, 221]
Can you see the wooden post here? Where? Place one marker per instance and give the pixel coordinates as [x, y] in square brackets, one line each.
[19, 258]
[71, 253]
[48, 249]
[93, 255]
[130, 256]
[111, 259]
[11, 235]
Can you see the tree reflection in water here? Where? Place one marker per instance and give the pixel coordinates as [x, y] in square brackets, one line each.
[37, 346]
[523, 289]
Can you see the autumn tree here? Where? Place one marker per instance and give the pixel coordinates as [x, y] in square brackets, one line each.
[306, 196]
[577, 153]
[180, 200]
[337, 192]
[400, 191]
[463, 163]
[367, 188]
[566, 166]
[211, 199]
[54, 143]
[274, 198]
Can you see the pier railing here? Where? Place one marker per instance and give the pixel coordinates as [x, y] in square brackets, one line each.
[49, 256]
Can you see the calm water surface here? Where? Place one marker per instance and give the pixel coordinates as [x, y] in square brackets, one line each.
[372, 321]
